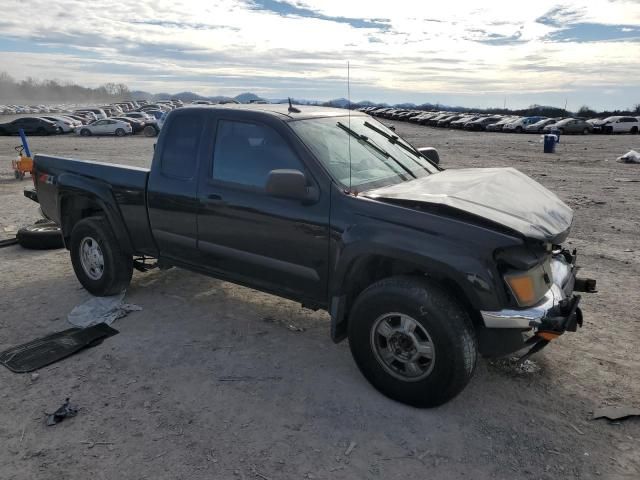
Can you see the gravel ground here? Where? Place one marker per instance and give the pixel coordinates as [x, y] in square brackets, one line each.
[213, 380]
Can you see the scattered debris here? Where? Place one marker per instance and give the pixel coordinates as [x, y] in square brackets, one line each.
[9, 241]
[258, 474]
[65, 411]
[616, 413]
[101, 310]
[295, 328]
[231, 378]
[580, 432]
[514, 366]
[626, 180]
[350, 448]
[34, 377]
[91, 444]
[629, 157]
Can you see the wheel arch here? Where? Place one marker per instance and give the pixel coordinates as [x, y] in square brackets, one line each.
[369, 268]
[80, 198]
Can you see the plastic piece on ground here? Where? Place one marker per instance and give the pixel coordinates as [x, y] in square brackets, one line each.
[101, 310]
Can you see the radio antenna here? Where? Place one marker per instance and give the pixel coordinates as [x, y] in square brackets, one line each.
[349, 120]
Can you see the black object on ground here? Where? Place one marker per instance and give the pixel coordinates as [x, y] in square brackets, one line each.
[40, 236]
[8, 241]
[65, 411]
[52, 348]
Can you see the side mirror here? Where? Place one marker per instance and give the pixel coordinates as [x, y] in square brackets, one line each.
[286, 183]
[430, 153]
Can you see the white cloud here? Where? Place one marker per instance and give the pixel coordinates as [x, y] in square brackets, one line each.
[434, 49]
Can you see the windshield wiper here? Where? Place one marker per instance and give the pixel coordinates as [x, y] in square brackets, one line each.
[393, 139]
[381, 151]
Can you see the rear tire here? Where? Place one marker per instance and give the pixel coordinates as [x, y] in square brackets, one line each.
[518, 129]
[634, 130]
[120, 132]
[85, 132]
[100, 264]
[585, 131]
[397, 363]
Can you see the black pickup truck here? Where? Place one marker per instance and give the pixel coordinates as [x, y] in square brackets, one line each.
[421, 268]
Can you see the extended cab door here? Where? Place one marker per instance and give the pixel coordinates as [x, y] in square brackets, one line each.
[173, 185]
[274, 244]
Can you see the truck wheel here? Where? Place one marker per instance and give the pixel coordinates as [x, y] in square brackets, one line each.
[40, 236]
[412, 340]
[98, 260]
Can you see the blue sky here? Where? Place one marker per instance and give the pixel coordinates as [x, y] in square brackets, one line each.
[459, 52]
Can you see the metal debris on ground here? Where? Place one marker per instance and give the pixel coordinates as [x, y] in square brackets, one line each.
[65, 411]
[350, 448]
[101, 310]
[616, 413]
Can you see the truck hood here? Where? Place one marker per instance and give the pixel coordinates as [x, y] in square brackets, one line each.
[501, 195]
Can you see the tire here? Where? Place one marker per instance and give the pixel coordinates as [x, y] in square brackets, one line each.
[634, 130]
[85, 132]
[518, 129]
[40, 236]
[41, 131]
[585, 131]
[120, 132]
[104, 268]
[561, 131]
[149, 131]
[439, 321]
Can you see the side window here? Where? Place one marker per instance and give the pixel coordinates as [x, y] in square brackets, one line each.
[245, 153]
[180, 148]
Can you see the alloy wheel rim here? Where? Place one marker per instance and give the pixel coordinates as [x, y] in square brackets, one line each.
[91, 258]
[403, 347]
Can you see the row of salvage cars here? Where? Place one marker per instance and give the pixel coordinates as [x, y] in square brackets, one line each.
[506, 123]
[119, 119]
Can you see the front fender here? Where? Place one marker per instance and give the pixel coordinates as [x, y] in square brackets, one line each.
[445, 259]
[79, 190]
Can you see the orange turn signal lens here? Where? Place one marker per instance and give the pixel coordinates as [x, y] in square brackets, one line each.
[523, 288]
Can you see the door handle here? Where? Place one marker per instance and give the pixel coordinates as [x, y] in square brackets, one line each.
[215, 199]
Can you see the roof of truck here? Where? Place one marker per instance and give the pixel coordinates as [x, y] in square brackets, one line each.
[281, 109]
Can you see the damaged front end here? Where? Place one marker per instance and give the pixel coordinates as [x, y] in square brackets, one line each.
[557, 312]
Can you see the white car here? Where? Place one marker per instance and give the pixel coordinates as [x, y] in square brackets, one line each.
[66, 124]
[98, 112]
[106, 127]
[617, 124]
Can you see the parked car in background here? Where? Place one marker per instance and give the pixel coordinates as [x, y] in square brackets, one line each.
[519, 125]
[570, 125]
[461, 122]
[31, 126]
[481, 123]
[497, 127]
[446, 121]
[617, 124]
[137, 125]
[82, 119]
[106, 127]
[539, 126]
[97, 112]
[66, 125]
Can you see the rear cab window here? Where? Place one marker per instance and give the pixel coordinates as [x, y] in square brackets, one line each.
[180, 147]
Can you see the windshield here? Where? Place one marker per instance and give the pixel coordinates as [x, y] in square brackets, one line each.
[361, 153]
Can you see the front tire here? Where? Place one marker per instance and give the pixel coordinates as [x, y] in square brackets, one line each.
[85, 132]
[634, 130]
[120, 132]
[100, 264]
[413, 341]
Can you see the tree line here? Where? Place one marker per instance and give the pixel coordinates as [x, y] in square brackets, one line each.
[32, 90]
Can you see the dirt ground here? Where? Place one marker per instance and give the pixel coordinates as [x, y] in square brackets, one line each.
[212, 380]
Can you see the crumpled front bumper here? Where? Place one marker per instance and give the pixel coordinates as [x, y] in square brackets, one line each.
[557, 312]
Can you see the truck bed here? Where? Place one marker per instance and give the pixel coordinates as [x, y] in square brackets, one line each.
[123, 186]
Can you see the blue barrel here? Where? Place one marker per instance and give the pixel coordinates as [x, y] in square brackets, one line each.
[550, 143]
